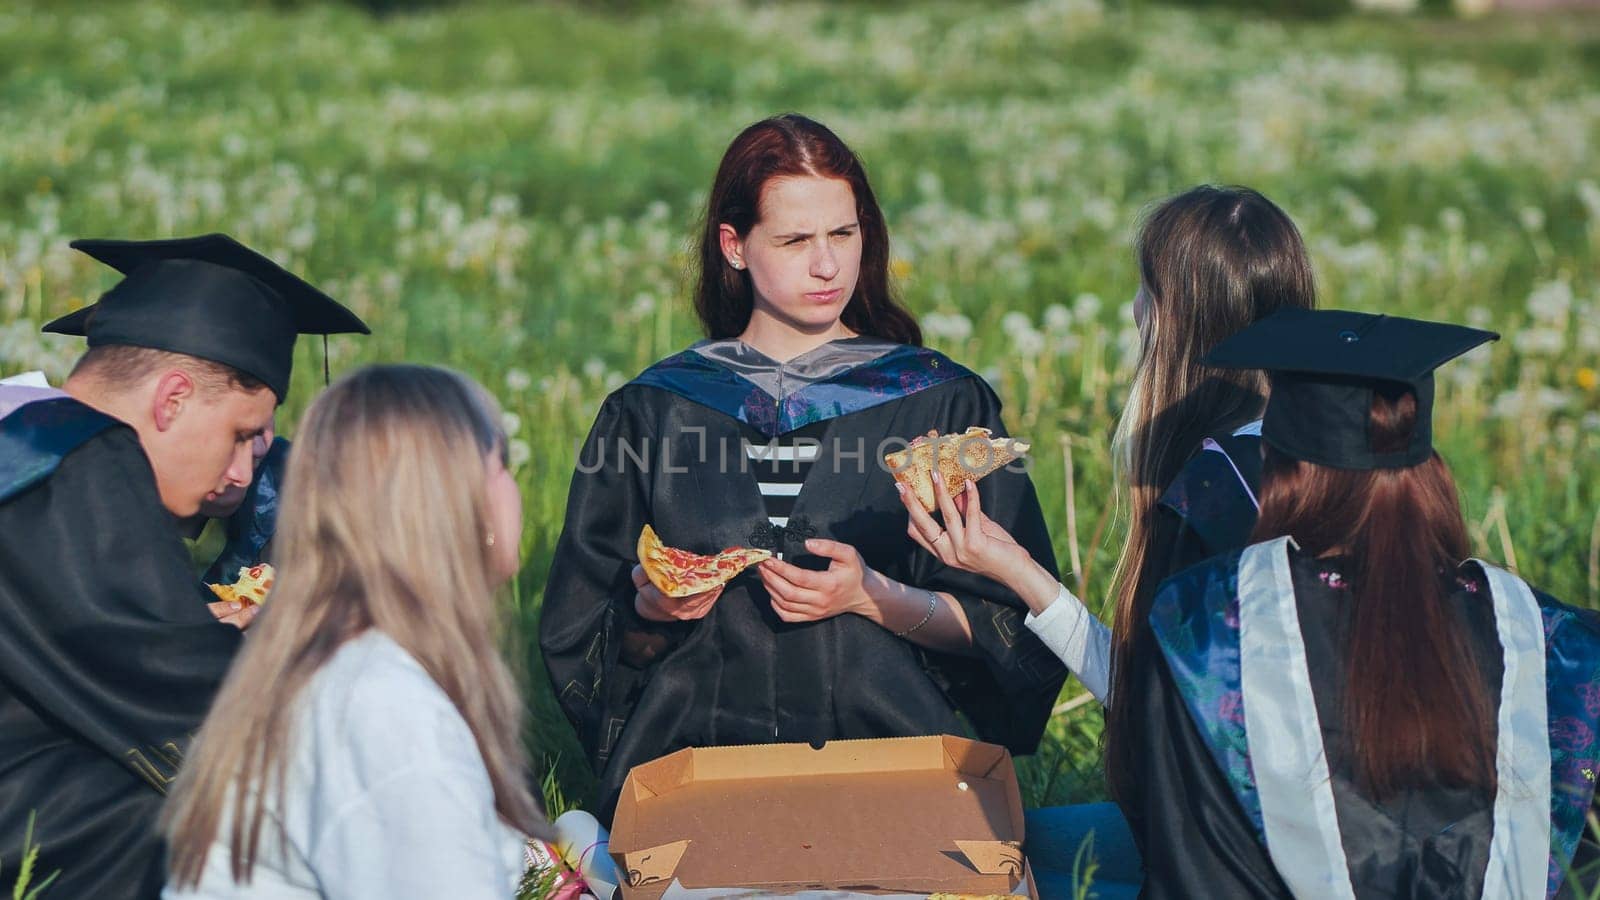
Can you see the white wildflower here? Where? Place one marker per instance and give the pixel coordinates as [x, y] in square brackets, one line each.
[1516, 403]
[504, 206]
[1452, 219]
[951, 326]
[1057, 318]
[1086, 307]
[1550, 301]
[518, 453]
[1386, 6]
[1029, 343]
[1589, 193]
[1014, 323]
[1099, 212]
[644, 303]
[1539, 341]
[510, 422]
[518, 381]
[594, 368]
[1589, 333]
[1360, 215]
[1532, 218]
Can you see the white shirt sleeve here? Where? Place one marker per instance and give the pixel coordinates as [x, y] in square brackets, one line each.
[1082, 641]
[418, 834]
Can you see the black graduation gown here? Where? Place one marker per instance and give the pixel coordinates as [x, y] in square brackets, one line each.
[108, 662]
[740, 675]
[1208, 509]
[1197, 841]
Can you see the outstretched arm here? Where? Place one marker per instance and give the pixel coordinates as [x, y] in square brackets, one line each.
[971, 541]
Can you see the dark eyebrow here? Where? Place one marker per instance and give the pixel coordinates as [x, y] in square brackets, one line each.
[806, 234]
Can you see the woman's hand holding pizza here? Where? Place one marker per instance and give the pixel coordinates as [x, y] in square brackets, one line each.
[651, 604]
[971, 541]
[968, 539]
[805, 595]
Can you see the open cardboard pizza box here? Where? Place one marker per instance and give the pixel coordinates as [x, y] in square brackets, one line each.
[899, 816]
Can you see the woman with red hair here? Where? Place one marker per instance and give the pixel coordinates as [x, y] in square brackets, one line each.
[770, 433]
[1351, 706]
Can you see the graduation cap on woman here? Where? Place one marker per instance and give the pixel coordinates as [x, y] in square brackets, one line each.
[209, 297]
[1324, 367]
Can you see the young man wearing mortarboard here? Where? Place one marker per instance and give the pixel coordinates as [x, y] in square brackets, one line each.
[109, 654]
[234, 527]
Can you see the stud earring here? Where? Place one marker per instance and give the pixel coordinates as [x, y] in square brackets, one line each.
[489, 541]
[737, 264]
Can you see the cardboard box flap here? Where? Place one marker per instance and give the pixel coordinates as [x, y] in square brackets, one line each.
[974, 758]
[993, 857]
[655, 865]
[661, 775]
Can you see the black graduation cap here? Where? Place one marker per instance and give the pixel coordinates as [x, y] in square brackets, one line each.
[1324, 367]
[210, 297]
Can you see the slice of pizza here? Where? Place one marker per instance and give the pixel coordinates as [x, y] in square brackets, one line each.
[252, 586]
[679, 573]
[952, 457]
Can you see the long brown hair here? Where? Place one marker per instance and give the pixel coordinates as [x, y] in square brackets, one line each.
[1212, 260]
[384, 513]
[1413, 716]
[784, 146]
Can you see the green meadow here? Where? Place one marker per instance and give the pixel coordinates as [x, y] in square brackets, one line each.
[513, 190]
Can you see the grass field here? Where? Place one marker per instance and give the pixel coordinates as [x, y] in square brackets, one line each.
[510, 190]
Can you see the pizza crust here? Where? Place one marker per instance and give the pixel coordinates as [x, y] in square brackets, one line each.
[252, 586]
[679, 573]
[954, 458]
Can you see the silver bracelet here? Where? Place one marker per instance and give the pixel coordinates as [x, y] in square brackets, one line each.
[933, 604]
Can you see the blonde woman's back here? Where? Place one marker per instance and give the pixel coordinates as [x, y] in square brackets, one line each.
[368, 740]
[386, 796]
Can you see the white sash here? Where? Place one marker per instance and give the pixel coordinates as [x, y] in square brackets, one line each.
[1290, 763]
[1285, 738]
[1519, 855]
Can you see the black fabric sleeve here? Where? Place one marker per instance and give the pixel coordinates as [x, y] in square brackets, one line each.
[1009, 684]
[594, 645]
[104, 629]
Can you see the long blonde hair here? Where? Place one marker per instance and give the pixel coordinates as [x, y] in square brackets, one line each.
[382, 526]
[1212, 260]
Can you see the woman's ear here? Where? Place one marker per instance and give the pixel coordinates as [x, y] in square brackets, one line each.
[732, 245]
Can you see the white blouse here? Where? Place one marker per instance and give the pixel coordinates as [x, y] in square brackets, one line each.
[387, 797]
[1082, 641]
